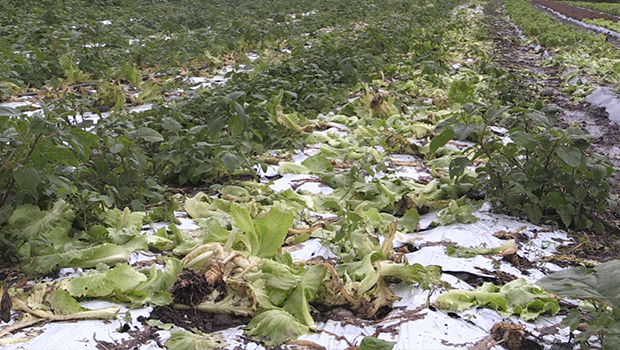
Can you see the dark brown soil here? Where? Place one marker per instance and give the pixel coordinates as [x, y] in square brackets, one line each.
[518, 59]
[188, 319]
[575, 12]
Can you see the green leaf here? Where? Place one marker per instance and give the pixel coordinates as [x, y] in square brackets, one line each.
[524, 139]
[292, 168]
[297, 304]
[457, 166]
[410, 220]
[63, 304]
[8, 112]
[235, 126]
[232, 161]
[103, 254]
[181, 340]
[31, 221]
[149, 134]
[570, 155]
[518, 297]
[372, 343]
[541, 119]
[318, 164]
[171, 125]
[600, 283]
[96, 284]
[599, 172]
[26, 178]
[441, 140]
[275, 327]
[271, 230]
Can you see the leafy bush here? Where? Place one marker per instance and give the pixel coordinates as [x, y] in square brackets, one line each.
[540, 171]
[599, 315]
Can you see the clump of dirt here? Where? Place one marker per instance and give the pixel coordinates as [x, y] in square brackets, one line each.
[188, 319]
[191, 288]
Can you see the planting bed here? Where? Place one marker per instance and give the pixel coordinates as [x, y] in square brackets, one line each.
[575, 12]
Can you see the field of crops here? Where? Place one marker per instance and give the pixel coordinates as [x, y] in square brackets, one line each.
[326, 174]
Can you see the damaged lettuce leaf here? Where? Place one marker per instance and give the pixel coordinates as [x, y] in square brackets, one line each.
[123, 225]
[518, 297]
[274, 327]
[264, 235]
[297, 304]
[153, 291]
[126, 284]
[464, 252]
[44, 232]
[181, 340]
[45, 303]
[364, 286]
[110, 254]
[103, 282]
[240, 300]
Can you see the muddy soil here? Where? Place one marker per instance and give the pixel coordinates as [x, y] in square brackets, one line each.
[546, 81]
[575, 12]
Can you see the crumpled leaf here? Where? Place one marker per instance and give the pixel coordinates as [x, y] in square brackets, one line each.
[98, 284]
[32, 221]
[297, 304]
[600, 283]
[517, 297]
[124, 225]
[264, 235]
[181, 340]
[110, 254]
[464, 252]
[274, 327]
[240, 300]
[154, 289]
[45, 303]
[199, 206]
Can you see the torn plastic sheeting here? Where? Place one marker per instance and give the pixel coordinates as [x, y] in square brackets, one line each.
[487, 318]
[310, 249]
[308, 183]
[447, 333]
[409, 173]
[605, 97]
[68, 336]
[186, 224]
[583, 24]
[271, 171]
[437, 256]
[352, 333]
[141, 256]
[541, 241]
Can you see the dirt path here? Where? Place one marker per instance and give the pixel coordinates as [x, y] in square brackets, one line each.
[594, 120]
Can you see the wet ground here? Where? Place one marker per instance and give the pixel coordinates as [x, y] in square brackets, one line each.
[546, 81]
